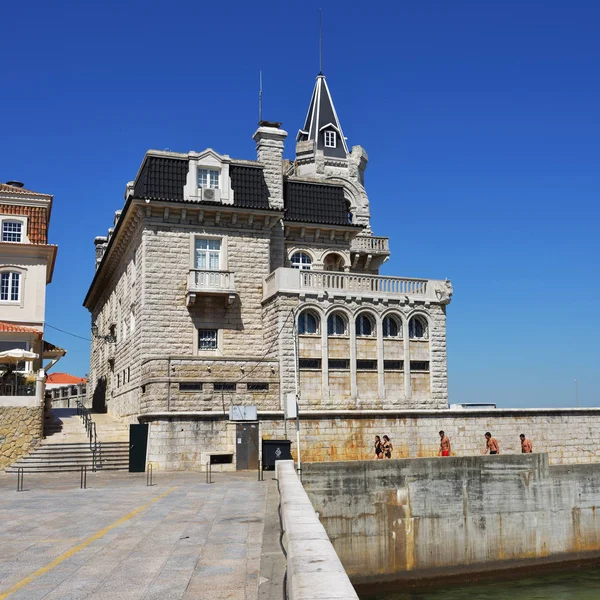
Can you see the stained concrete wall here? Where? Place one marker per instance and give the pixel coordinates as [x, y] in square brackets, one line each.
[408, 518]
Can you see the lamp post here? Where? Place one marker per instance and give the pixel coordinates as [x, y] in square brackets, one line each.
[576, 393]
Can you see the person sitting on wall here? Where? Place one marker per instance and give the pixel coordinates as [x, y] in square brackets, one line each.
[444, 445]
[526, 445]
[387, 447]
[378, 447]
[491, 444]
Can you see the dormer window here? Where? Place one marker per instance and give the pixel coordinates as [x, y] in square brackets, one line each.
[208, 179]
[330, 139]
[12, 231]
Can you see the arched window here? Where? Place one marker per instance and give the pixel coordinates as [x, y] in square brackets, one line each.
[301, 260]
[417, 328]
[337, 324]
[392, 327]
[10, 286]
[333, 262]
[365, 325]
[308, 323]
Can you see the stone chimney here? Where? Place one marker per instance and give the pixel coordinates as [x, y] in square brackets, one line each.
[101, 242]
[269, 139]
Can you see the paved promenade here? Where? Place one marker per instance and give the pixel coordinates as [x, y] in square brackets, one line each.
[121, 540]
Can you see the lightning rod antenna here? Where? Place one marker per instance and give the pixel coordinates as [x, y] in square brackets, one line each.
[260, 96]
[320, 41]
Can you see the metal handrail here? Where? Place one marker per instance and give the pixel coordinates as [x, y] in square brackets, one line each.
[90, 429]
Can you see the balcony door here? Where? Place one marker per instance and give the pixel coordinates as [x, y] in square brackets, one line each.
[207, 258]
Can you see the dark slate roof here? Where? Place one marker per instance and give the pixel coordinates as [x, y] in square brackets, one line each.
[163, 178]
[315, 203]
[321, 116]
[249, 187]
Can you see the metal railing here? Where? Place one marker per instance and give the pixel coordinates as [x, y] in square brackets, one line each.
[90, 428]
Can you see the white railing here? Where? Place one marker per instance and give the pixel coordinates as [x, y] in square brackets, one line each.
[370, 244]
[203, 280]
[355, 284]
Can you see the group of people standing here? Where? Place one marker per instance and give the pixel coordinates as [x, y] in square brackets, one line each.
[383, 449]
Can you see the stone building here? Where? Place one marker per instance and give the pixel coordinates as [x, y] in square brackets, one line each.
[226, 282]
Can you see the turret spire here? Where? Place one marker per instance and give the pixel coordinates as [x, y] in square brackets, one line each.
[322, 125]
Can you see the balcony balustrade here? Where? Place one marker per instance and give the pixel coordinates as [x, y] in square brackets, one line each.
[370, 244]
[356, 285]
[210, 283]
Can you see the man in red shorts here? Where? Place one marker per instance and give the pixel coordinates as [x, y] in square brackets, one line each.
[444, 445]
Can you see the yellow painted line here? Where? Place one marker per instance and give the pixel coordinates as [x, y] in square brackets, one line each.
[76, 549]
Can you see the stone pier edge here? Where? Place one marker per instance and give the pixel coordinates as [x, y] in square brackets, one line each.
[314, 570]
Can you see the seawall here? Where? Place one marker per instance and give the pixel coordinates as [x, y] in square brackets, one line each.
[393, 519]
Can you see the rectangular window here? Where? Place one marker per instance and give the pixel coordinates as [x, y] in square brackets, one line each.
[12, 231]
[393, 365]
[224, 387]
[366, 365]
[118, 380]
[208, 178]
[419, 365]
[207, 339]
[339, 364]
[10, 287]
[258, 387]
[310, 363]
[207, 256]
[190, 387]
[330, 139]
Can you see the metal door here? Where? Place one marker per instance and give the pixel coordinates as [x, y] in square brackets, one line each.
[138, 444]
[246, 447]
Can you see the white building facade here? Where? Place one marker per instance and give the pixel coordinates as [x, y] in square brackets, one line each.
[228, 282]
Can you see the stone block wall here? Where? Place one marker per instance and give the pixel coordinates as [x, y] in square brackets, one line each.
[20, 432]
[566, 435]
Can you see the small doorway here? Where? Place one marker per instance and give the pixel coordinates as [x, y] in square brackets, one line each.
[138, 444]
[246, 447]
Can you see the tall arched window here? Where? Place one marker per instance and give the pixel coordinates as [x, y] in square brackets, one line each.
[418, 328]
[365, 325]
[337, 324]
[10, 286]
[308, 323]
[392, 327]
[301, 260]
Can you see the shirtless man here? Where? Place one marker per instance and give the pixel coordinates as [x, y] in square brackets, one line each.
[526, 445]
[491, 444]
[444, 445]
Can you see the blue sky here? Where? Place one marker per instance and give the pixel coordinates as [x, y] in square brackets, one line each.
[481, 120]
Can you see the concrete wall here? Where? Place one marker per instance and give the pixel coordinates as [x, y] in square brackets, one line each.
[20, 431]
[313, 568]
[411, 518]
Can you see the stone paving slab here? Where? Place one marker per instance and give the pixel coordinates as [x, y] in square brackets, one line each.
[197, 541]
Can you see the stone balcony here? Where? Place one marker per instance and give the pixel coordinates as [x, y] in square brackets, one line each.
[369, 252]
[202, 282]
[356, 286]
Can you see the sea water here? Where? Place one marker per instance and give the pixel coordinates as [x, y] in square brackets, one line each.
[579, 584]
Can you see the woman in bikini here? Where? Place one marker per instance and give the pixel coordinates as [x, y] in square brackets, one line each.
[378, 447]
[387, 447]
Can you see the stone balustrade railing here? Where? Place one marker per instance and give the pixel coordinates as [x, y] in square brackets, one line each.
[204, 281]
[355, 285]
[370, 244]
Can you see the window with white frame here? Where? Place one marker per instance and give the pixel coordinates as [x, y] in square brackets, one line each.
[207, 254]
[10, 286]
[208, 178]
[301, 260]
[207, 339]
[330, 139]
[12, 231]
[308, 323]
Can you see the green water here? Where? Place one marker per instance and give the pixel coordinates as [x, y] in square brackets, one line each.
[582, 584]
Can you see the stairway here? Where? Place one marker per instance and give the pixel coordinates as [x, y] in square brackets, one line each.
[66, 446]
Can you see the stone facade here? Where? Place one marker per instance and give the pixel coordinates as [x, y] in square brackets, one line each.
[20, 432]
[198, 303]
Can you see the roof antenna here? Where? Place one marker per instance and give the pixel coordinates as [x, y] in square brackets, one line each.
[320, 41]
[260, 97]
